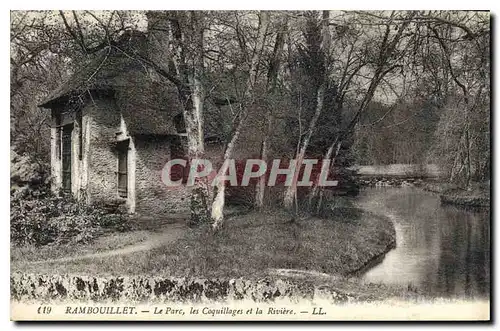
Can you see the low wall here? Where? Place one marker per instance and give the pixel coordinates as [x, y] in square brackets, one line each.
[137, 289]
[399, 170]
[381, 181]
[396, 174]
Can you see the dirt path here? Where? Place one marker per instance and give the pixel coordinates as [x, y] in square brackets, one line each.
[163, 238]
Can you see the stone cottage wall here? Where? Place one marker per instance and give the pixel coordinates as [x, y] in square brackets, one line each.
[79, 163]
[55, 158]
[94, 175]
[104, 128]
[153, 196]
[147, 156]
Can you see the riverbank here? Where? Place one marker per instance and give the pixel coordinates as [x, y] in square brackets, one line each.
[442, 251]
[255, 248]
[248, 246]
[478, 196]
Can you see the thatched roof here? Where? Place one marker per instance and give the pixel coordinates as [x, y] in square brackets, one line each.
[149, 109]
[147, 103]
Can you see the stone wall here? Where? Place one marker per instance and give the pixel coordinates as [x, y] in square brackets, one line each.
[104, 126]
[147, 156]
[26, 287]
[153, 196]
[94, 175]
[79, 163]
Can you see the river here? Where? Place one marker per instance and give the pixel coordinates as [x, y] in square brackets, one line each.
[442, 251]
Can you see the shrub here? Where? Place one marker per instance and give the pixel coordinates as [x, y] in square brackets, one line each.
[38, 219]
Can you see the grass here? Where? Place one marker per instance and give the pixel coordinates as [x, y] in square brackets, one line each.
[478, 194]
[252, 247]
[249, 246]
[101, 244]
[257, 242]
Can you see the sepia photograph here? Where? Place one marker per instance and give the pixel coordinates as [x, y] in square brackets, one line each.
[250, 165]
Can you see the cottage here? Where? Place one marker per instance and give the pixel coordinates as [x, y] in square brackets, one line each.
[114, 127]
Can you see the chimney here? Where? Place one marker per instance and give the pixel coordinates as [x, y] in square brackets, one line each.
[158, 37]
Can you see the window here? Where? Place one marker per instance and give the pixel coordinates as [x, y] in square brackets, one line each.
[57, 118]
[79, 120]
[122, 148]
[66, 157]
[179, 124]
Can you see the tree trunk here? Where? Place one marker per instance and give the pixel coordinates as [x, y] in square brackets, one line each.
[176, 53]
[291, 191]
[193, 116]
[192, 94]
[260, 188]
[331, 154]
[272, 77]
[219, 200]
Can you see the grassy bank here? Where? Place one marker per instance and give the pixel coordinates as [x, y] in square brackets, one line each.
[478, 195]
[103, 243]
[248, 246]
[258, 256]
[254, 243]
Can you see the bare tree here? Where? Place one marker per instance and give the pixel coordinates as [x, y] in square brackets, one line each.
[272, 78]
[248, 98]
[464, 43]
[291, 190]
[179, 58]
[385, 60]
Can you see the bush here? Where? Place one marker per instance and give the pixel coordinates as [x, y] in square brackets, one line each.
[24, 170]
[41, 219]
[38, 217]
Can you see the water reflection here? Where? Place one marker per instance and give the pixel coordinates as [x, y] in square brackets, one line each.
[442, 250]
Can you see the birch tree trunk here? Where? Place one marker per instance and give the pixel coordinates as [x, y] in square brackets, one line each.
[219, 200]
[193, 116]
[260, 188]
[272, 78]
[291, 191]
[331, 154]
[179, 30]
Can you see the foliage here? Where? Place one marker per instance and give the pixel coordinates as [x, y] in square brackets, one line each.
[413, 86]
[401, 133]
[36, 220]
[461, 143]
[50, 219]
[24, 170]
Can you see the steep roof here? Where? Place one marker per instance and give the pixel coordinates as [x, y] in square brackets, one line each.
[104, 70]
[149, 108]
[147, 103]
